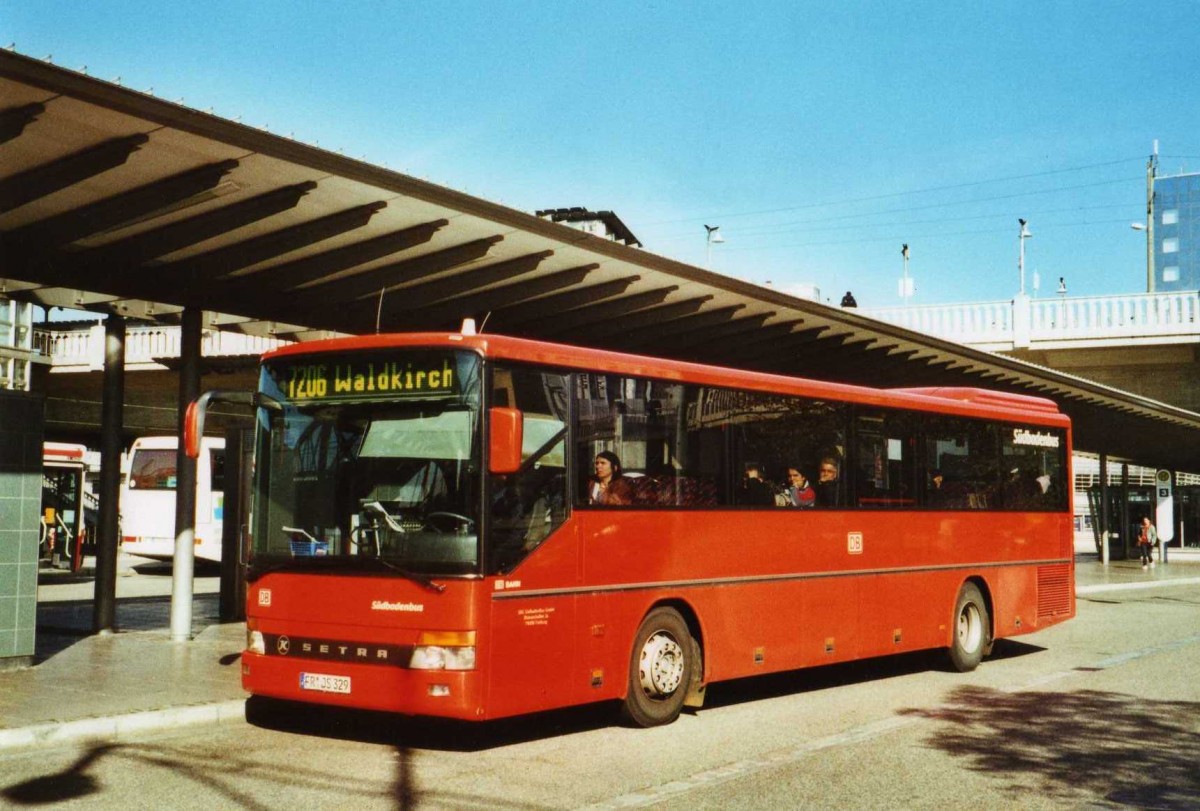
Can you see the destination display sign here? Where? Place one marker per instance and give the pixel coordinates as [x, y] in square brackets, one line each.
[366, 376]
[1042, 439]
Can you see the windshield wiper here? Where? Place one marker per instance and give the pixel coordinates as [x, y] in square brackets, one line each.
[394, 526]
[419, 579]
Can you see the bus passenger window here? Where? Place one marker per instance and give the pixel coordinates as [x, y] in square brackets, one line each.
[885, 474]
[1033, 461]
[962, 462]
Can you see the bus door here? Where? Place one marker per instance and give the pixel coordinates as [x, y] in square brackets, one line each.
[62, 522]
[533, 548]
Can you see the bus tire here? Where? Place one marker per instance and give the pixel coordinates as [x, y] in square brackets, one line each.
[660, 669]
[971, 630]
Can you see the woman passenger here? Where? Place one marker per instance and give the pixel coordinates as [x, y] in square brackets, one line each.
[608, 485]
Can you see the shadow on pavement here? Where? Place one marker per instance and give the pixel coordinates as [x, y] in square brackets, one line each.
[404, 732]
[74, 783]
[1078, 747]
[776, 685]
[62, 624]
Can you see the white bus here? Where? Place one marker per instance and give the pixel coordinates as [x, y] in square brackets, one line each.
[148, 499]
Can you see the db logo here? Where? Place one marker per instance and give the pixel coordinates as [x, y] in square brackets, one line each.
[264, 597]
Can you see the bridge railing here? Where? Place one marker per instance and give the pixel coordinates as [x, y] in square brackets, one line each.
[1139, 317]
[144, 346]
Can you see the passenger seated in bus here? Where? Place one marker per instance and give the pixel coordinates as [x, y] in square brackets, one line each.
[1022, 490]
[609, 485]
[798, 493]
[828, 486]
[754, 489]
[938, 492]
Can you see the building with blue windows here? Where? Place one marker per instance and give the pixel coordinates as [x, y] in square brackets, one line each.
[1177, 233]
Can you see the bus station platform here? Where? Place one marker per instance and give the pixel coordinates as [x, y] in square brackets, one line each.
[109, 687]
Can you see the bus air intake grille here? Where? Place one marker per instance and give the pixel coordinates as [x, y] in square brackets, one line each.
[1054, 590]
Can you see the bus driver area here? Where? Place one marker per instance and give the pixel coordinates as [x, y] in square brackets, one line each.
[426, 547]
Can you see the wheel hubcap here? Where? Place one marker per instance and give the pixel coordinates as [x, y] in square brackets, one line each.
[661, 667]
[970, 628]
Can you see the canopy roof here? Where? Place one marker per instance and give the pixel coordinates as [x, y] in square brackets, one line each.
[116, 201]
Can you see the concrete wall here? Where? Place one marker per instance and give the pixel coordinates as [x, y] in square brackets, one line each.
[20, 507]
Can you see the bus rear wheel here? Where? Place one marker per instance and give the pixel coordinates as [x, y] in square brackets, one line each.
[972, 629]
[660, 669]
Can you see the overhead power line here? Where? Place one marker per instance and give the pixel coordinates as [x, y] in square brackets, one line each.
[786, 226]
[872, 198]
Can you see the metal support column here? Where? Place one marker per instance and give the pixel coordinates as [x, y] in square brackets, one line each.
[1125, 511]
[239, 444]
[185, 482]
[112, 418]
[1105, 512]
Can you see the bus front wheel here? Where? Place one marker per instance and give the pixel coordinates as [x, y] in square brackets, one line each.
[972, 629]
[660, 669]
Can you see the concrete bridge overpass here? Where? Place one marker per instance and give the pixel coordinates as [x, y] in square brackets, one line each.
[1147, 343]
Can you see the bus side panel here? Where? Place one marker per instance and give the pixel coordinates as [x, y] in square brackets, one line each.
[758, 614]
[805, 588]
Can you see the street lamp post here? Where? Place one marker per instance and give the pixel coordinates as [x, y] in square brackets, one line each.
[1024, 235]
[714, 235]
[1148, 225]
[906, 289]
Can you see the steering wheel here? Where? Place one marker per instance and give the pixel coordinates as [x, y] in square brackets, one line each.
[429, 522]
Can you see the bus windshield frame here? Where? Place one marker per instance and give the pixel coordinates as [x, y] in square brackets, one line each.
[369, 461]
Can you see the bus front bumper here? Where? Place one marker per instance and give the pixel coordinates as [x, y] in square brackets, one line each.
[436, 693]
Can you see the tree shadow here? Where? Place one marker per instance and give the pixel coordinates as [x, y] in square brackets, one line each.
[225, 773]
[1079, 747]
[72, 783]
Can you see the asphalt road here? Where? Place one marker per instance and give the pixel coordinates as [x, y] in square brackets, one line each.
[1102, 712]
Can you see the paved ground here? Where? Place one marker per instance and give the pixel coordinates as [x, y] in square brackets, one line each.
[106, 686]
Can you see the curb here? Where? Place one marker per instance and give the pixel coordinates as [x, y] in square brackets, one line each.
[1149, 584]
[115, 727]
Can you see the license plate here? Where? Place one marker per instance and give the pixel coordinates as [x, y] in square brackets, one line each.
[323, 683]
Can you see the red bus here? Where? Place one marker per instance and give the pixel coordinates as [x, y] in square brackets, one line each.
[431, 536]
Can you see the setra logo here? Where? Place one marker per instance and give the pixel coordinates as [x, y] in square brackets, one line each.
[283, 645]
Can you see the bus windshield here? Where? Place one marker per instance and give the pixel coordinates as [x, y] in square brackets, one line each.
[370, 461]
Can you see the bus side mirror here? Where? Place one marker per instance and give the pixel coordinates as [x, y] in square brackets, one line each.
[193, 428]
[193, 419]
[504, 442]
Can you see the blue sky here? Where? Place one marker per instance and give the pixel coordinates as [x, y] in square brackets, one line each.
[818, 136]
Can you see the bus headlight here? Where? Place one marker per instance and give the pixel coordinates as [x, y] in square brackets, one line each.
[444, 650]
[254, 640]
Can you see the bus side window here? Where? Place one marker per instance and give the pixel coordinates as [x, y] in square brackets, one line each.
[217, 466]
[962, 464]
[885, 467]
[1032, 459]
[527, 506]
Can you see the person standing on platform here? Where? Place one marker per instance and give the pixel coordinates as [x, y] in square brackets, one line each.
[1147, 538]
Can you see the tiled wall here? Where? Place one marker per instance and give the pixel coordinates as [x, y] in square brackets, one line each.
[20, 506]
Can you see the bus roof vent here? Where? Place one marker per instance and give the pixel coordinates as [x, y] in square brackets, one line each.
[987, 397]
